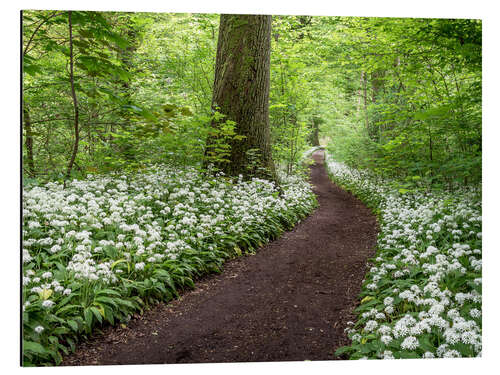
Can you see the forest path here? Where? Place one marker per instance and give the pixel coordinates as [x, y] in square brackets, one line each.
[289, 302]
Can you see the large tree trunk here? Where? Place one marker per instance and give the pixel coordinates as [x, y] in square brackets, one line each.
[241, 94]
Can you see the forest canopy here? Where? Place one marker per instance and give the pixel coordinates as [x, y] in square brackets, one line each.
[400, 96]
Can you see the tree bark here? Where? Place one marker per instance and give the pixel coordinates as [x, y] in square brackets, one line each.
[28, 141]
[241, 94]
[73, 95]
[365, 99]
[315, 131]
[377, 80]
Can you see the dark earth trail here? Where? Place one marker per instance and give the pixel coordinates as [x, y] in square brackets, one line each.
[289, 302]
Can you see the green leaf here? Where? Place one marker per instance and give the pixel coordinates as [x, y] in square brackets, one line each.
[60, 330]
[53, 339]
[115, 263]
[96, 313]
[106, 300]
[343, 350]
[34, 347]
[73, 325]
[67, 308]
[108, 292]
[87, 313]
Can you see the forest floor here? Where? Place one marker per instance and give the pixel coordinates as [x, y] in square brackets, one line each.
[291, 301]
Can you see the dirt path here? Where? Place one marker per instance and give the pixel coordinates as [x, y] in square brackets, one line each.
[289, 302]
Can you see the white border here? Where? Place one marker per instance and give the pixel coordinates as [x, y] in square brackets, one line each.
[389, 8]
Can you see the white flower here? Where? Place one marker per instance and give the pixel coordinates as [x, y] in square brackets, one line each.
[441, 349]
[436, 309]
[452, 354]
[54, 249]
[356, 337]
[410, 343]
[469, 338]
[388, 355]
[371, 325]
[384, 330]
[389, 309]
[26, 256]
[380, 316]
[475, 313]
[39, 329]
[139, 266]
[33, 224]
[386, 339]
[428, 355]
[453, 313]
[48, 303]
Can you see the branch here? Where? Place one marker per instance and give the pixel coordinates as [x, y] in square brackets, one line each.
[36, 30]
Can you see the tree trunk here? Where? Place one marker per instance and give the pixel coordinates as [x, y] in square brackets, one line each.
[360, 92]
[377, 80]
[73, 95]
[28, 141]
[365, 100]
[293, 142]
[241, 94]
[315, 131]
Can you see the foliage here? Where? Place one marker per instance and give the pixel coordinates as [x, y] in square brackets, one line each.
[415, 92]
[399, 96]
[143, 83]
[422, 296]
[106, 247]
[297, 74]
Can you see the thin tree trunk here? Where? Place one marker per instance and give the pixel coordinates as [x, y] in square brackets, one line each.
[430, 153]
[73, 95]
[29, 141]
[365, 100]
[315, 131]
[360, 92]
[293, 121]
[377, 83]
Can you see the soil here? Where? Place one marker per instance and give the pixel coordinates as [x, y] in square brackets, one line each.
[291, 301]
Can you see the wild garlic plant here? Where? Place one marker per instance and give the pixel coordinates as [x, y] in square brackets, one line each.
[422, 295]
[104, 247]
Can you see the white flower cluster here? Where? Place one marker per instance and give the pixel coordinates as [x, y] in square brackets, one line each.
[427, 270]
[97, 229]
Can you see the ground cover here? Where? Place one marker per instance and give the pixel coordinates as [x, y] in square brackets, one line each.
[422, 295]
[107, 246]
[290, 301]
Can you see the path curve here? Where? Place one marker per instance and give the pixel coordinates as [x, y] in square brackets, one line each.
[289, 302]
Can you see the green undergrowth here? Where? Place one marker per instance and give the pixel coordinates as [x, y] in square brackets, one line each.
[105, 248]
[422, 295]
